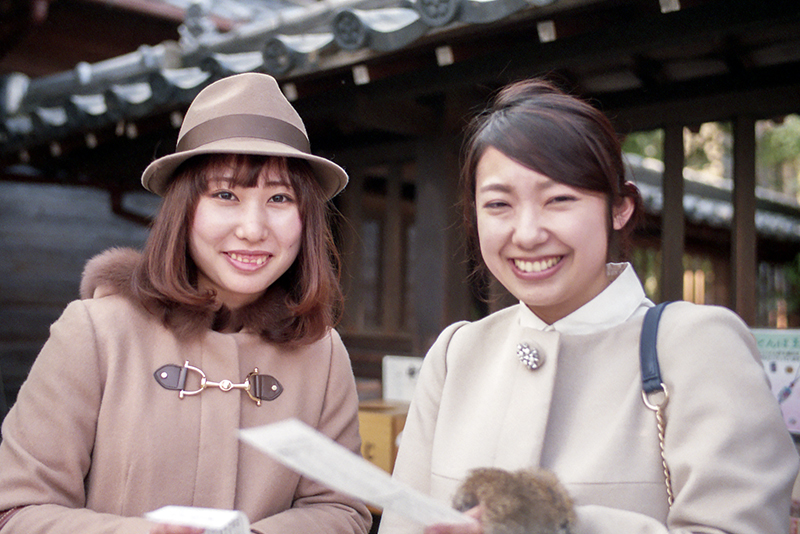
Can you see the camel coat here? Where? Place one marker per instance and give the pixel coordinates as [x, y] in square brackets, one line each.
[581, 415]
[93, 441]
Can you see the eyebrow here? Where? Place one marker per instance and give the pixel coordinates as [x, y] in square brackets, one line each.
[220, 181]
[230, 181]
[504, 188]
[494, 187]
[283, 182]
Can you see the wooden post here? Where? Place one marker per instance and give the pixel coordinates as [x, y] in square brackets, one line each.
[743, 237]
[438, 270]
[351, 207]
[393, 282]
[673, 227]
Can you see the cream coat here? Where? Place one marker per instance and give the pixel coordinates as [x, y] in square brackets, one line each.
[581, 415]
[93, 442]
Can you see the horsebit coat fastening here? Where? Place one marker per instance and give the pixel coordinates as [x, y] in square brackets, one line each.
[258, 387]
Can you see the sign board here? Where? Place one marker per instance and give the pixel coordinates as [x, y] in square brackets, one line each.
[780, 353]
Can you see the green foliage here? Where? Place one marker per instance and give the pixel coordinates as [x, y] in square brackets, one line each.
[781, 143]
[649, 144]
[778, 155]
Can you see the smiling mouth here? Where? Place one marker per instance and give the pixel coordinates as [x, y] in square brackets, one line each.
[253, 260]
[537, 266]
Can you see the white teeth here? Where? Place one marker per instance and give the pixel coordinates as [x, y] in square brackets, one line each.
[258, 260]
[536, 266]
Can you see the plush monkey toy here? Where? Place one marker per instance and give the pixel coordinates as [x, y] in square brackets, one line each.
[523, 502]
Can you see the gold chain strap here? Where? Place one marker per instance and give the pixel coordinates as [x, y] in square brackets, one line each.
[661, 421]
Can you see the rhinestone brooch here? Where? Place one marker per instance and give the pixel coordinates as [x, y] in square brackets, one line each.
[530, 357]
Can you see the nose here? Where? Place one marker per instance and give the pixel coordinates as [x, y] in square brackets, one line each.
[252, 224]
[529, 229]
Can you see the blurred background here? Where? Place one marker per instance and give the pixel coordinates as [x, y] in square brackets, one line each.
[706, 94]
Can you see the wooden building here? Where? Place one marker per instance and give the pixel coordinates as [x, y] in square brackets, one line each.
[92, 91]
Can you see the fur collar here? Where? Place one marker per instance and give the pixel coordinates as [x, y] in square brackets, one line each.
[110, 272]
[114, 272]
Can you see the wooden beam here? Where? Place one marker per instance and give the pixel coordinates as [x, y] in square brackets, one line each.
[397, 116]
[760, 103]
[743, 239]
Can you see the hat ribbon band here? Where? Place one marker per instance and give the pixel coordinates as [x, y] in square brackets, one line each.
[244, 125]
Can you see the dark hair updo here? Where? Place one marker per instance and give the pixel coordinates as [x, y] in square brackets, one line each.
[555, 134]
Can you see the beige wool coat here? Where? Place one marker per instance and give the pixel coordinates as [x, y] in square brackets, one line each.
[93, 441]
[581, 415]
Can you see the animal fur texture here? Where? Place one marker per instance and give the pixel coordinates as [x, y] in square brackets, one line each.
[523, 502]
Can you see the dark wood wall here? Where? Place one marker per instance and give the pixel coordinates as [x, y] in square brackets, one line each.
[47, 232]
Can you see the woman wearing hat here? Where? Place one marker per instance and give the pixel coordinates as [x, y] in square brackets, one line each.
[223, 322]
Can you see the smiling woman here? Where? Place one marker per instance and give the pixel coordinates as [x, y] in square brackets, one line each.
[554, 383]
[263, 221]
[545, 241]
[244, 238]
[237, 283]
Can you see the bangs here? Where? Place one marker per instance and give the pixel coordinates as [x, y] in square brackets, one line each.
[244, 170]
[550, 144]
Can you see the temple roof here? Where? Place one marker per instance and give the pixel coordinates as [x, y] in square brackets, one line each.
[313, 47]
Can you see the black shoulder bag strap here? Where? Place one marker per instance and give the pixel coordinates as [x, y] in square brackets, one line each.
[652, 383]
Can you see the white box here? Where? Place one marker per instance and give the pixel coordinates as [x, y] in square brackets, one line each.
[400, 377]
[213, 520]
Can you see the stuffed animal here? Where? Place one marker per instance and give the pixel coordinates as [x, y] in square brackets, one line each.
[523, 502]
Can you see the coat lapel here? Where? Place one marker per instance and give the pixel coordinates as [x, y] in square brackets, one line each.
[529, 395]
[494, 410]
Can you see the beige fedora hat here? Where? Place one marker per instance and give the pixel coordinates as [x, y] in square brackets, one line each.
[242, 114]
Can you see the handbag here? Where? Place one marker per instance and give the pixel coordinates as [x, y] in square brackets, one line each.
[652, 386]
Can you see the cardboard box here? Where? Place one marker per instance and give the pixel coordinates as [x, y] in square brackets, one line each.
[381, 422]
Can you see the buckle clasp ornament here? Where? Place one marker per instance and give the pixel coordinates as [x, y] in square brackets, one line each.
[258, 387]
[203, 382]
[530, 356]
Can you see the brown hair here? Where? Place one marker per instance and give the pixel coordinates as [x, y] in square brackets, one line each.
[555, 134]
[298, 307]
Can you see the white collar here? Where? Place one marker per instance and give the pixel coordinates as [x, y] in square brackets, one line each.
[623, 299]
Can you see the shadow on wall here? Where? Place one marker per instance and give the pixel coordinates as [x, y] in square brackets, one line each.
[47, 233]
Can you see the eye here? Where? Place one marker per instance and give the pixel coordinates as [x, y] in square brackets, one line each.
[495, 204]
[558, 199]
[280, 198]
[223, 195]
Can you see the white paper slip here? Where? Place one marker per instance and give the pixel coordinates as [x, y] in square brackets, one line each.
[316, 456]
[213, 520]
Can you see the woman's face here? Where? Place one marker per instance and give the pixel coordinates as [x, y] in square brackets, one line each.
[545, 241]
[243, 239]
